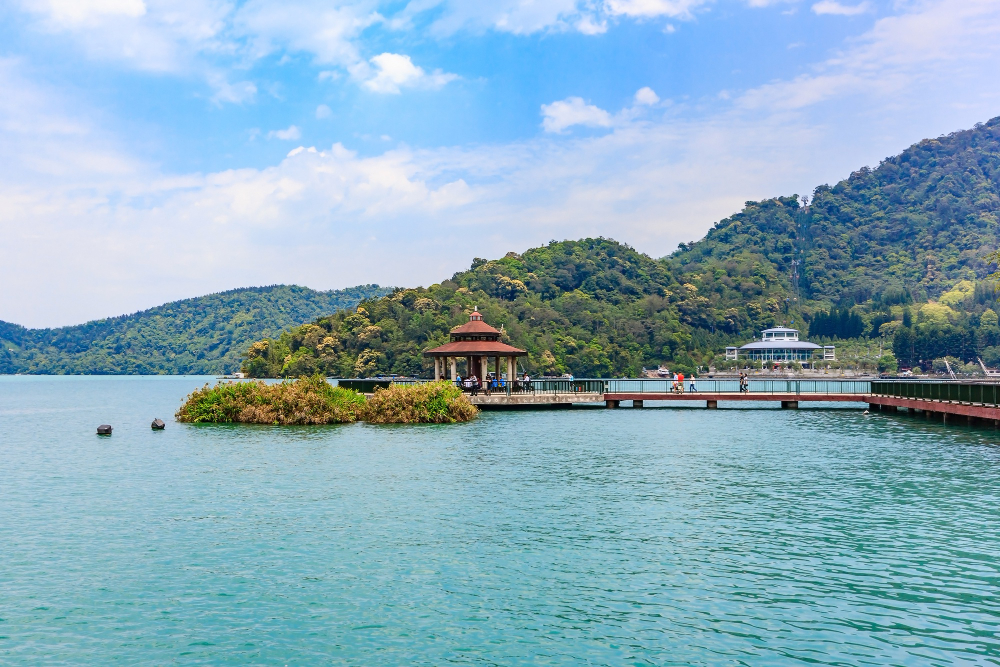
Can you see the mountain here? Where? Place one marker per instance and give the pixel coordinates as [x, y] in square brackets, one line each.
[920, 222]
[896, 253]
[208, 334]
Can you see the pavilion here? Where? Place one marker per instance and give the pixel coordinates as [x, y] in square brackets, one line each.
[477, 342]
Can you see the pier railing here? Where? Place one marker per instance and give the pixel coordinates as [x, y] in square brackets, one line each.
[956, 391]
[644, 386]
[657, 386]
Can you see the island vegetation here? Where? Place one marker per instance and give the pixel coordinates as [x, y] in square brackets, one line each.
[312, 400]
[890, 263]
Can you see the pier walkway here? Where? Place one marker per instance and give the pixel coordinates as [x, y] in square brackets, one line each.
[945, 400]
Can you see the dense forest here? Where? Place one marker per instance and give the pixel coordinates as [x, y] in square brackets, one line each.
[208, 334]
[894, 254]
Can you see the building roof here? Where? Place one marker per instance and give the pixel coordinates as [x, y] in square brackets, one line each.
[460, 346]
[478, 348]
[780, 345]
[775, 329]
[474, 327]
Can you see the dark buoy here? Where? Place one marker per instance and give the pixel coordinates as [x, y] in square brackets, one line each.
[104, 429]
[158, 425]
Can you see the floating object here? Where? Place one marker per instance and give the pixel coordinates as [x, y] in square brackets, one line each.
[104, 429]
[865, 412]
[158, 425]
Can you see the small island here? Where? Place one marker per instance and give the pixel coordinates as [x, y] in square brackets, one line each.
[312, 401]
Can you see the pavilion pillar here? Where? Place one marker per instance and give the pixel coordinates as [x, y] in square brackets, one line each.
[437, 369]
[484, 368]
[496, 369]
[510, 369]
[454, 371]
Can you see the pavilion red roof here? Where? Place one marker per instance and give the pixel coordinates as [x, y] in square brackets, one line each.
[474, 327]
[476, 348]
[460, 346]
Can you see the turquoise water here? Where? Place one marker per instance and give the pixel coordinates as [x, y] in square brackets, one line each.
[655, 536]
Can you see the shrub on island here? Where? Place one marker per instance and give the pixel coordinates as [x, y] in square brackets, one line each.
[427, 403]
[303, 401]
[314, 401]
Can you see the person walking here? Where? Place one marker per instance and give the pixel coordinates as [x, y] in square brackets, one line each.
[680, 383]
[692, 384]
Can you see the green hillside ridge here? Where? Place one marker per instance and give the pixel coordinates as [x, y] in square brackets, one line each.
[203, 335]
[894, 255]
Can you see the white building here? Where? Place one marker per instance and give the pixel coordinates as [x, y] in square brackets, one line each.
[782, 344]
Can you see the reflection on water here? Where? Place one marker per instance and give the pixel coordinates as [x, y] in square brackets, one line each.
[655, 536]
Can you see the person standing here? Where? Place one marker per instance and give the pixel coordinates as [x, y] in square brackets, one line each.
[680, 382]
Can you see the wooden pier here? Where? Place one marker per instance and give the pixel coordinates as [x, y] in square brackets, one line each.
[946, 400]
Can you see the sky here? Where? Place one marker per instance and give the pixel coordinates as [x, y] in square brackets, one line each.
[153, 150]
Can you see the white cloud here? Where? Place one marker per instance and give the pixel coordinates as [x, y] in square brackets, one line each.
[646, 96]
[651, 8]
[942, 40]
[234, 93]
[325, 30]
[393, 71]
[835, 8]
[323, 111]
[80, 11]
[293, 133]
[571, 111]
[155, 35]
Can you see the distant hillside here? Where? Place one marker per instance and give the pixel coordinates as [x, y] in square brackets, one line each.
[893, 253]
[208, 334]
[920, 222]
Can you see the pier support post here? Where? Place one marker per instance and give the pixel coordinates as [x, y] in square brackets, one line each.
[911, 411]
[873, 407]
[712, 405]
[944, 417]
[636, 404]
[611, 404]
[790, 405]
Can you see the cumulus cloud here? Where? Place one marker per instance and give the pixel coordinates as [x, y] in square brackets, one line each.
[392, 71]
[837, 9]
[646, 97]
[323, 111]
[292, 133]
[571, 111]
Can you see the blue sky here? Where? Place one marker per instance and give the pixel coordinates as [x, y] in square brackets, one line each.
[155, 150]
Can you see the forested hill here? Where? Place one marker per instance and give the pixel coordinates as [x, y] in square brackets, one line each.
[919, 221]
[895, 253]
[208, 334]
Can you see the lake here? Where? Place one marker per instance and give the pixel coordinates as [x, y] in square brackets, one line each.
[671, 535]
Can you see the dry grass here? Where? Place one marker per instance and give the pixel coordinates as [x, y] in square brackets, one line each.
[428, 403]
[304, 401]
